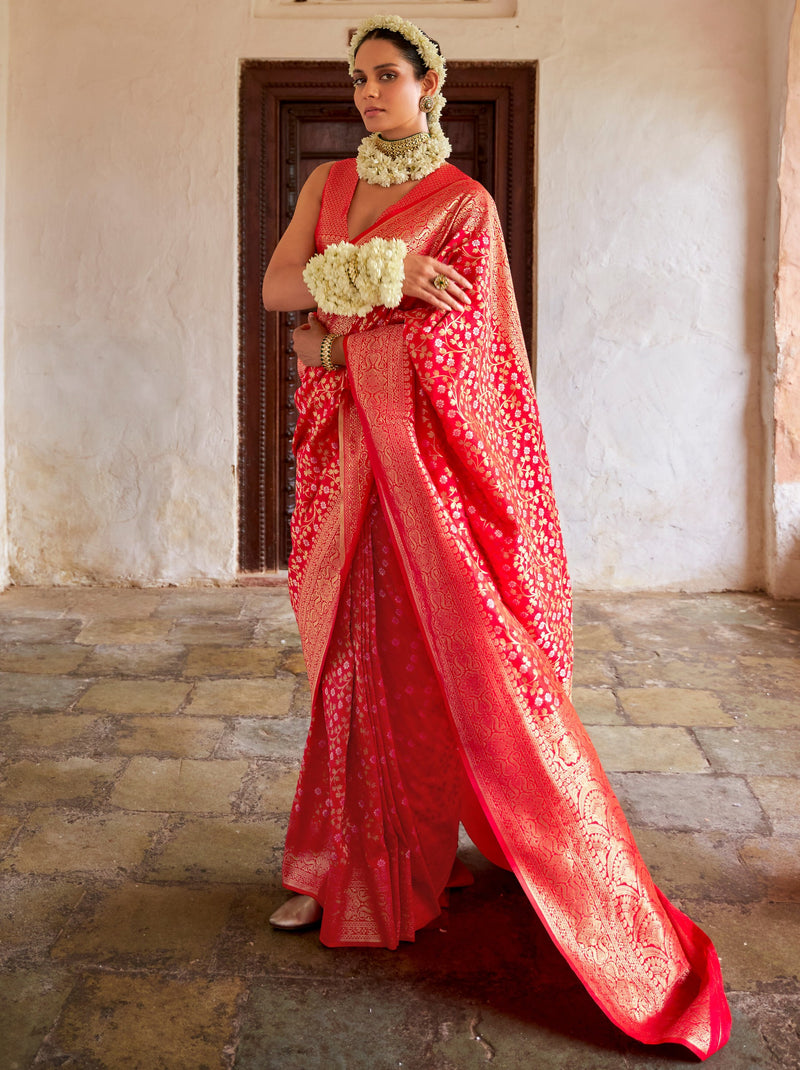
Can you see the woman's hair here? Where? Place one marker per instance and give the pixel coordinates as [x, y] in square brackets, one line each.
[403, 46]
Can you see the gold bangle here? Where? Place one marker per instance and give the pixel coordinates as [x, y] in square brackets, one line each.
[325, 358]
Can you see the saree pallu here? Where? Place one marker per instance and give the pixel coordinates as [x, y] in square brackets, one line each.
[429, 581]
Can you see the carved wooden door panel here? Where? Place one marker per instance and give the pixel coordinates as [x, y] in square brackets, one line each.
[293, 117]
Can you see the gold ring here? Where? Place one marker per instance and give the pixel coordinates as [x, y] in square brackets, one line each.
[441, 282]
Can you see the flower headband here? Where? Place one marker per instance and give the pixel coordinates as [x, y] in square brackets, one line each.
[413, 34]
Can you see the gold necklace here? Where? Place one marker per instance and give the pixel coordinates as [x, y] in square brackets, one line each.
[402, 145]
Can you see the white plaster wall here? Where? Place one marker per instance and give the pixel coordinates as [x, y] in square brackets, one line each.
[122, 269]
[121, 292]
[651, 220]
[784, 573]
[4, 49]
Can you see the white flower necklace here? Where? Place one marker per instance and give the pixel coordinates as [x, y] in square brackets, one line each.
[388, 163]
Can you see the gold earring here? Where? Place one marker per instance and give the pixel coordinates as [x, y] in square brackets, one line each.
[426, 104]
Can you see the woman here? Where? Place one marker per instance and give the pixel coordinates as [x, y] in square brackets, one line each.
[429, 580]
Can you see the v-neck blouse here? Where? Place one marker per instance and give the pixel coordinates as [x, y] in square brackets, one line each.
[337, 197]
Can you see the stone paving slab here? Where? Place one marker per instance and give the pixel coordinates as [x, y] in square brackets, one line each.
[274, 787]
[207, 602]
[595, 637]
[142, 660]
[245, 698]
[72, 780]
[673, 637]
[656, 749]
[135, 1022]
[754, 751]
[111, 603]
[777, 862]
[758, 943]
[197, 630]
[135, 696]
[270, 606]
[123, 632]
[35, 912]
[301, 699]
[363, 1027]
[63, 842]
[648, 668]
[178, 785]
[293, 661]
[41, 602]
[216, 849]
[688, 803]
[148, 925]
[673, 706]
[593, 669]
[30, 1001]
[754, 709]
[227, 661]
[780, 799]
[766, 673]
[44, 658]
[260, 737]
[692, 865]
[33, 693]
[188, 737]
[43, 732]
[9, 824]
[771, 1021]
[596, 705]
[765, 640]
[35, 629]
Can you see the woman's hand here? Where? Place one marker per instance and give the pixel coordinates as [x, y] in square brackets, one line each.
[420, 271]
[307, 343]
[307, 340]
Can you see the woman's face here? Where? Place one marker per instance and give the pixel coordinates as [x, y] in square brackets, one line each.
[386, 90]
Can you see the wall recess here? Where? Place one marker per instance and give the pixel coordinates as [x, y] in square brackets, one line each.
[428, 9]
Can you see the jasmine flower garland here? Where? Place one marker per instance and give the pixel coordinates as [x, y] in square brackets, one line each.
[350, 280]
[379, 169]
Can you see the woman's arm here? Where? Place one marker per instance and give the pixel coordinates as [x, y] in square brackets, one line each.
[307, 344]
[283, 289]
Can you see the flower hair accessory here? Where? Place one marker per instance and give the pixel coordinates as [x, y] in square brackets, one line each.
[350, 280]
[430, 55]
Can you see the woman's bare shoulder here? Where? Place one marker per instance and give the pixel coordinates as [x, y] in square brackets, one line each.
[318, 177]
[310, 197]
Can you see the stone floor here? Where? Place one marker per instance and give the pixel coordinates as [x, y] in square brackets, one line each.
[150, 742]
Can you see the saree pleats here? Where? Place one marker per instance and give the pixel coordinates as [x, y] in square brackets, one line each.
[430, 584]
[374, 827]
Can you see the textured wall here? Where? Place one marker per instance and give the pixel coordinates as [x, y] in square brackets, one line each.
[652, 223]
[784, 559]
[122, 271]
[4, 574]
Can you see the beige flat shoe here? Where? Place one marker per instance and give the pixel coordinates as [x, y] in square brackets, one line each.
[297, 915]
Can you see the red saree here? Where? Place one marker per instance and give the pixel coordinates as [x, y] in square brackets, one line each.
[430, 587]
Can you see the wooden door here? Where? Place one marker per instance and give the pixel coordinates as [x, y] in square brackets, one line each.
[293, 117]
